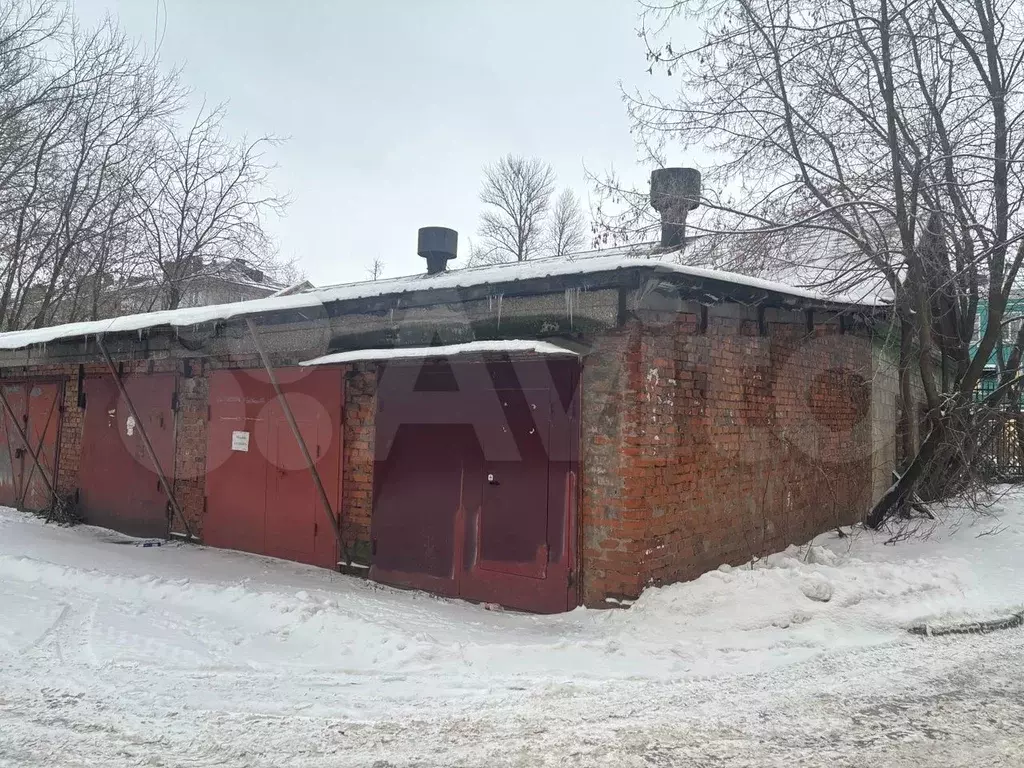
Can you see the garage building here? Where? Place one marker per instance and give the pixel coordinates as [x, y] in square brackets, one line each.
[539, 435]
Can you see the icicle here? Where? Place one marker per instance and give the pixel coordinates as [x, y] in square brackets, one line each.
[570, 294]
[500, 297]
[140, 334]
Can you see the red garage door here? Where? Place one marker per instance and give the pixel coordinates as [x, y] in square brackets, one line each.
[474, 481]
[260, 496]
[118, 485]
[36, 406]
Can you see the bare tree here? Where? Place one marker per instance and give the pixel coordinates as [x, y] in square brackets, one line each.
[115, 102]
[82, 119]
[893, 126]
[376, 268]
[208, 203]
[567, 230]
[95, 171]
[516, 192]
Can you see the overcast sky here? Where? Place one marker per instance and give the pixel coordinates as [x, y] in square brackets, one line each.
[392, 108]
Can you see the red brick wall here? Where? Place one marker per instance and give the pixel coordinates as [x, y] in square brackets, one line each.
[732, 444]
[612, 525]
[190, 447]
[70, 451]
[357, 466]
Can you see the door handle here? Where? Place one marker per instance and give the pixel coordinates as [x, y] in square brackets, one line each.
[492, 480]
[19, 452]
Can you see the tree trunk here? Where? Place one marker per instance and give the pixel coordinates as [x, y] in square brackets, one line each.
[898, 496]
[908, 416]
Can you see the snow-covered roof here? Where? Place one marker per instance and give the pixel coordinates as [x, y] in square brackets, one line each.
[600, 261]
[821, 260]
[507, 346]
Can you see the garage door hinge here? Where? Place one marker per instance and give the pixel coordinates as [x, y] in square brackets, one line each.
[208, 413]
[373, 546]
[174, 401]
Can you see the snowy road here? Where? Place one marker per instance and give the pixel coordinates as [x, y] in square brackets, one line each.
[115, 654]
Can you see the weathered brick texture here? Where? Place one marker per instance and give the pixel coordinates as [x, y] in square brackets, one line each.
[727, 443]
[69, 452]
[190, 447]
[357, 466]
[611, 524]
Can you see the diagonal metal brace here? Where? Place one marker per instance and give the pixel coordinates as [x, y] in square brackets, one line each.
[290, 417]
[145, 437]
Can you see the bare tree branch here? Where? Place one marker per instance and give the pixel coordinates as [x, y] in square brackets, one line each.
[857, 145]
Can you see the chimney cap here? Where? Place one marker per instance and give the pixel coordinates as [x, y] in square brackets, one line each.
[437, 245]
[672, 186]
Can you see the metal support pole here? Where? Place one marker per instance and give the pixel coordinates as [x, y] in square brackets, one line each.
[34, 454]
[290, 417]
[145, 437]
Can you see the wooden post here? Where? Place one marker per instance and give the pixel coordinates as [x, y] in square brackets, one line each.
[145, 437]
[290, 417]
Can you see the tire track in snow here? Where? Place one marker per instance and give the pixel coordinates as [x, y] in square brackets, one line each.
[40, 642]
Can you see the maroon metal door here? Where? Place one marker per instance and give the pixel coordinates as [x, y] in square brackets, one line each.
[12, 449]
[480, 503]
[43, 430]
[118, 485]
[260, 496]
[420, 490]
[37, 406]
[236, 474]
[512, 524]
[294, 510]
[291, 522]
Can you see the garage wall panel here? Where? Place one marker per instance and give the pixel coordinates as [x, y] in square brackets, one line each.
[36, 405]
[474, 480]
[119, 487]
[260, 496]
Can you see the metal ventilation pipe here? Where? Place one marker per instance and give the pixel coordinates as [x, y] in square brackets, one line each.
[437, 245]
[674, 193]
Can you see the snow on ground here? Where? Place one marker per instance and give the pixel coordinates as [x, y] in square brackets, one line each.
[116, 654]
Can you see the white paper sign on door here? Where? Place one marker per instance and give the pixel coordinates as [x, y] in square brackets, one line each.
[239, 441]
